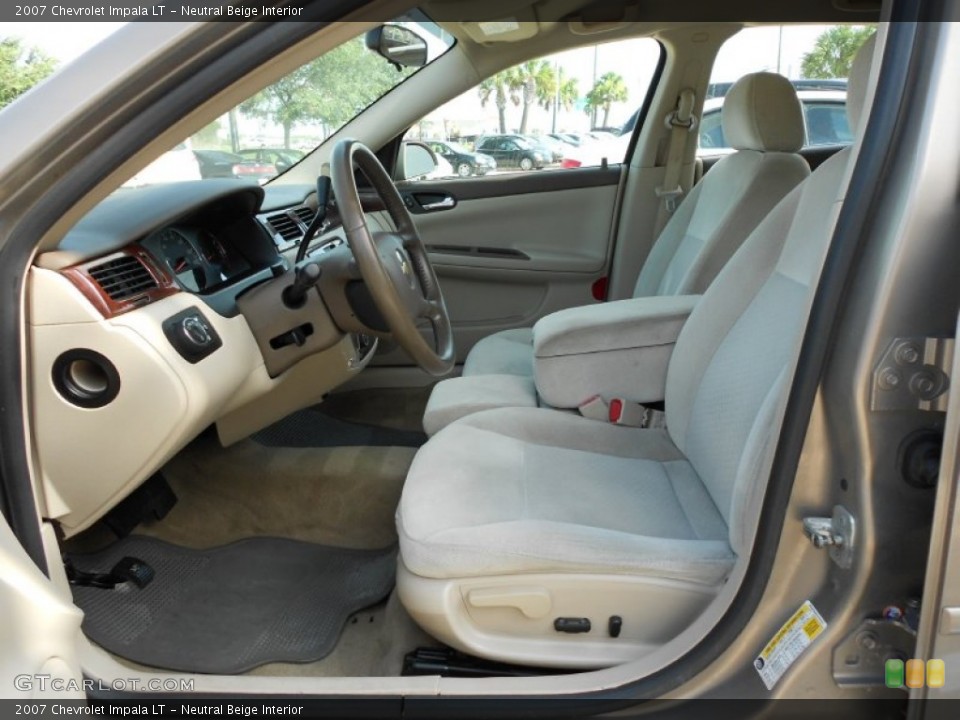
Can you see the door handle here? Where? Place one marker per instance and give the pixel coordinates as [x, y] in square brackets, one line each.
[444, 204]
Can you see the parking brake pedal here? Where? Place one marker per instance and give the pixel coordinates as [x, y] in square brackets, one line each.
[129, 569]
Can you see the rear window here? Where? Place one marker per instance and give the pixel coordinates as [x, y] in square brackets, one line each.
[815, 58]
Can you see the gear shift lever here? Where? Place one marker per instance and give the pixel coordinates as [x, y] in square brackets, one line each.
[323, 197]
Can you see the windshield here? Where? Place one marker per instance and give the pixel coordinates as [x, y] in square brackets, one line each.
[269, 132]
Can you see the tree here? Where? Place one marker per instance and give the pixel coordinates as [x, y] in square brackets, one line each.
[833, 52]
[534, 83]
[609, 89]
[21, 68]
[331, 89]
[501, 89]
[208, 137]
[567, 93]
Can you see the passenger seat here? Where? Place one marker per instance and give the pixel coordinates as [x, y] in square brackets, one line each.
[763, 121]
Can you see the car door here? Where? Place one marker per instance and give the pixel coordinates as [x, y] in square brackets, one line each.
[512, 246]
[494, 148]
[512, 153]
[938, 634]
[40, 627]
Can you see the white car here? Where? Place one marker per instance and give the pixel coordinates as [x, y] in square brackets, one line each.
[592, 153]
[824, 115]
[174, 165]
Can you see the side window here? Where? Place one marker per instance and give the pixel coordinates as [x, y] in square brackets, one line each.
[815, 58]
[574, 109]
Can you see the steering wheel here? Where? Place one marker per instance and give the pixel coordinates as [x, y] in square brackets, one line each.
[394, 265]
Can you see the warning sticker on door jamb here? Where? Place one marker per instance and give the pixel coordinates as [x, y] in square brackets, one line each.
[788, 644]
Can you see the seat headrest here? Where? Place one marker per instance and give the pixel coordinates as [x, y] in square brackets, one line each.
[761, 112]
[858, 80]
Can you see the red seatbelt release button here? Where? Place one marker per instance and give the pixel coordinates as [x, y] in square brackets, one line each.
[626, 412]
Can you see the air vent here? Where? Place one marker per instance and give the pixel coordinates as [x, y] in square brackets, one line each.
[305, 214]
[285, 226]
[123, 277]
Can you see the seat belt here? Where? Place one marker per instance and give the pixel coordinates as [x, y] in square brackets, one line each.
[623, 412]
[681, 123]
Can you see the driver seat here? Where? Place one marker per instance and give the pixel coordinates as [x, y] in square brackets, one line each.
[544, 538]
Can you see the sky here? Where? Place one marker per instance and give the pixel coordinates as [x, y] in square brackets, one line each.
[759, 48]
[64, 41]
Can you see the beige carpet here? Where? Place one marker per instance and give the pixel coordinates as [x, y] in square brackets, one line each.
[343, 496]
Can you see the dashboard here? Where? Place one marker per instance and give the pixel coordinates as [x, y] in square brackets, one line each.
[162, 313]
[199, 259]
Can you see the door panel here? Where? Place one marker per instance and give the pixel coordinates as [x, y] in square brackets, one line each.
[509, 250]
[41, 625]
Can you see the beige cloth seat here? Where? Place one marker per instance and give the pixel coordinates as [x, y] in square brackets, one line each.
[763, 120]
[511, 518]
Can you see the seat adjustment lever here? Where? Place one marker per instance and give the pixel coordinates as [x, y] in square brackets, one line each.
[572, 625]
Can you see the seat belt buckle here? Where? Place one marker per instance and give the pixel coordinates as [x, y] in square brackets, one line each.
[671, 198]
[595, 408]
[625, 412]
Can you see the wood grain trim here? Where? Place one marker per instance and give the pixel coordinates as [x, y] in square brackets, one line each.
[80, 276]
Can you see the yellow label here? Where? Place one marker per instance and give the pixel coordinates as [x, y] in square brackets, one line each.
[813, 627]
[789, 643]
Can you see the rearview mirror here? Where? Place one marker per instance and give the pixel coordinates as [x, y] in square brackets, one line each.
[398, 45]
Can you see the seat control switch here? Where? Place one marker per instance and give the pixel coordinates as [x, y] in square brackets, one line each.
[614, 626]
[572, 625]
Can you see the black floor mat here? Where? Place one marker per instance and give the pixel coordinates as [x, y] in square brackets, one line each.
[229, 609]
[314, 428]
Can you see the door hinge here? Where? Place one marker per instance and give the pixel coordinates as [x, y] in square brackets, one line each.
[836, 533]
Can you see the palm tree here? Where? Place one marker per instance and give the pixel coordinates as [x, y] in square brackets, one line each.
[534, 83]
[567, 93]
[834, 50]
[500, 88]
[610, 88]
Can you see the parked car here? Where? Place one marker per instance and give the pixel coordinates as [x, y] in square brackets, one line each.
[513, 151]
[462, 160]
[223, 164]
[824, 115]
[281, 158]
[557, 148]
[565, 138]
[550, 152]
[591, 152]
[174, 165]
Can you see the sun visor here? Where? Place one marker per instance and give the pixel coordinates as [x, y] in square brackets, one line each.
[489, 22]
